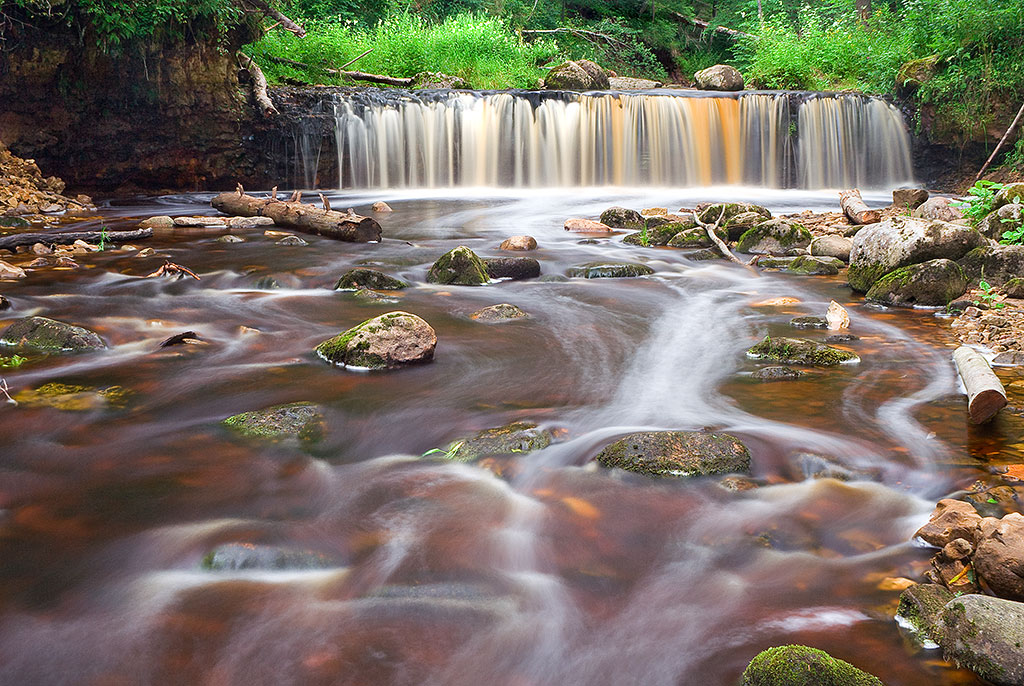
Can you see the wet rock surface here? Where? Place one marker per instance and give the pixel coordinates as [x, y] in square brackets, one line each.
[795, 665]
[502, 312]
[931, 283]
[302, 420]
[800, 351]
[372, 279]
[392, 340]
[512, 439]
[609, 270]
[985, 635]
[459, 266]
[49, 335]
[254, 556]
[676, 453]
[515, 268]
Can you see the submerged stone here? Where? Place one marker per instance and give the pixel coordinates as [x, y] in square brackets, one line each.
[302, 420]
[368, 296]
[809, 322]
[676, 453]
[354, 279]
[776, 374]
[255, 556]
[502, 312]
[459, 266]
[50, 335]
[800, 351]
[511, 439]
[935, 282]
[796, 665]
[72, 398]
[392, 340]
[609, 270]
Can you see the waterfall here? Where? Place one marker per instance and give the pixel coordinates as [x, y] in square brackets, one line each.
[387, 138]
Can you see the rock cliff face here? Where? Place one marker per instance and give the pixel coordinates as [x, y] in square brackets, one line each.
[153, 117]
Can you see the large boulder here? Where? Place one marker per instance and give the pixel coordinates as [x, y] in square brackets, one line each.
[809, 265]
[622, 218]
[609, 270]
[358, 278]
[773, 237]
[832, 246]
[515, 268]
[999, 558]
[935, 283]
[660, 234]
[720, 77]
[709, 214]
[677, 453]
[901, 241]
[459, 266]
[913, 74]
[630, 83]
[795, 665]
[302, 420]
[1007, 218]
[985, 634]
[578, 75]
[940, 209]
[395, 339]
[800, 351]
[909, 198]
[691, 239]
[951, 519]
[996, 264]
[921, 607]
[51, 336]
[511, 439]
[1011, 192]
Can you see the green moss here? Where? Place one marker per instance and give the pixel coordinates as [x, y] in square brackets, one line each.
[862, 276]
[334, 349]
[796, 665]
[609, 270]
[511, 439]
[302, 420]
[814, 266]
[459, 267]
[800, 351]
[370, 279]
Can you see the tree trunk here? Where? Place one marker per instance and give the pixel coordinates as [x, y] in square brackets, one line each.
[67, 238]
[1006, 136]
[854, 208]
[985, 393]
[864, 11]
[259, 85]
[304, 217]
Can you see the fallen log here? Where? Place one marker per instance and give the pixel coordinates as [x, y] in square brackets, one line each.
[720, 30]
[341, 226]
[985, 393]
[375, 78]
[711, 230]
[855, 209]
[259, 84]
[67, 238]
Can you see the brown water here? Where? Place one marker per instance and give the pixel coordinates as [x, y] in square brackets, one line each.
[554, 572]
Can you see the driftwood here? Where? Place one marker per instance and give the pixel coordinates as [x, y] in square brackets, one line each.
[13, 241]
[1006, 136]
[720, 30]
[722, 247]
[855, 209]
[985, 393]
[341, 226]
[259, 85]
[284, 21]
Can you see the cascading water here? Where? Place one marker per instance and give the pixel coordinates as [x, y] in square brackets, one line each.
[529, 139]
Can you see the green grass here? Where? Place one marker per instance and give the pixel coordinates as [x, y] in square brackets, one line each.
[482, 50]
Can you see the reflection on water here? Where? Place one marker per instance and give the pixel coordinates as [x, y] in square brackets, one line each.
[557, 573]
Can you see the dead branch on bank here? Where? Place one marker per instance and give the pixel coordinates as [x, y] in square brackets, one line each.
[591, 36]
[355, 75]
[259, 84]
[1002, 141]
[302, 216]
[720, 30]
[711, 230]
[284, 21]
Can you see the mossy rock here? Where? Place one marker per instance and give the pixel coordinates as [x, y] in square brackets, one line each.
[302, 420]
[502, 312]
[72, 397]
[921, 607]
[996, 264]
[739, 225]
[676, 454]
[997, 222]
[691, 239]
[392, 340]
[704, 255]
[1010, 193]
[915, 73]
[986, 635]
[460, 267]
[609, 270]
[809, 321]
[622, 218]
[661, 234]
[710, 213]
[373, 297]
[800, 351]
[49, 335]
[775, 262]
[1014, 288]
[371, 279]
[254, 556]
[809, 265]
[578, 75]
[932, 283]
[795, 665]
[773, 237]
[512, 439]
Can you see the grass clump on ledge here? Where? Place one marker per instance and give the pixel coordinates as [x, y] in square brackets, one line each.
[482, 50]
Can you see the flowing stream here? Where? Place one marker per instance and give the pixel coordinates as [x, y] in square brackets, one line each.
[538, 570]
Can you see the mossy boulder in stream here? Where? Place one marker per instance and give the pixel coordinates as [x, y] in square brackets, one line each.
[1011, 192]
[358, 278]
[661, 234]
[996, 264]
[622, 218]
[692, 239]
[511, 439]
[921, 609]
[935, 282]
[302, 420]
[515, 268]
[72, 397]
[460, 267]
[609, 270]
[809, 265]
[795, 665]
[997, 222]
[50, 335]
[773, 237]
[392, 340]
[739, 225]
[244, 556]
[677, 453]
[502, 312]
[800, 351]
[709, 214]
[986, 635]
